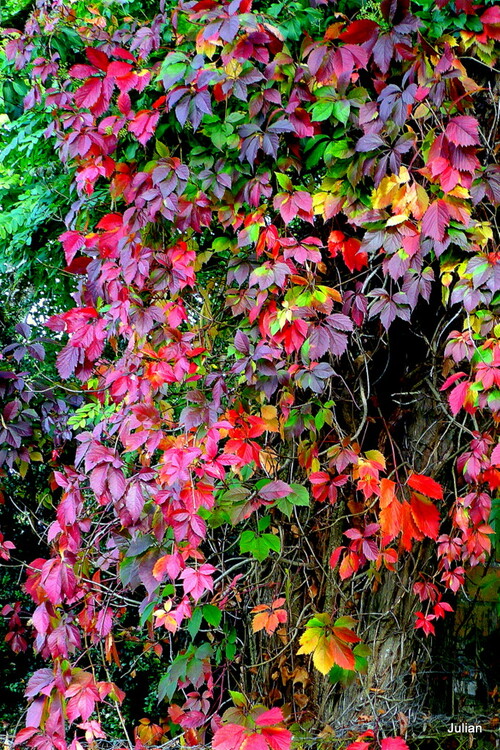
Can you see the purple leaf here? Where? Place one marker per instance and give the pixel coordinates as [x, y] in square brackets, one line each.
[275, 490]
[369, 142]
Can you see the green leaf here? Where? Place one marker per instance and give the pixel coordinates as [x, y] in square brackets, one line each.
[247, 541]
[177, 670]
[212, 614]
[341, 111]
[322, 110]
[337, 150]
[300, 495]
[161, 149]
[238, 698]
[147, 613]
[264, 523]
[260, 549]
[284, 181]
[272, 542]
[195, 622]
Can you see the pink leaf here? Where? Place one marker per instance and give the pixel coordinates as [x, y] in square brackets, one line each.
[270, 717]
[393, 743]
[42, 681]
[197, 581]
[457, 397]
[228, 737]
[435, 220]
[254, 742]
[275, 490]
[277, 738]
[24, 735]
[495, 455]
[462, 131]
[134, 500]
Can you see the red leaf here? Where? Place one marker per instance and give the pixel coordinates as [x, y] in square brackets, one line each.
[335, 240]
[491, 15]
[72, 242]
[97, 58]
[390, 514]
[462, 131]
[426, 516]
[95, 94]
[449, 381]
[359, 31]
[342, 654]
[82, 71]
[426, 485]
[408, 527]
[354, 258]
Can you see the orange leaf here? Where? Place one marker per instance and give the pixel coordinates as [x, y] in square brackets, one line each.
[269, 616]
[390, 514]
[409, 530]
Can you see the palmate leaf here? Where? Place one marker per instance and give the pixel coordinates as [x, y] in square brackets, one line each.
[329, 643]
[269, 616]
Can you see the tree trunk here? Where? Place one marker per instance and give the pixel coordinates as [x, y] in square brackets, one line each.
[410, 418]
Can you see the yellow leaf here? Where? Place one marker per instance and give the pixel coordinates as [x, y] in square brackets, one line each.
[319, 202]
[404, 175]
[315, 465]
[459, 192]
[384, 194]
[422, 202]
[270, 416]
[328, 646]
[395, 220]
[483, 232]
[422, 110]
[309, 640]
[233, 68]
[446, 279]
[36, 456]
[449, 266]
[376, 456]
[202, 258]
[269, 460]
[323, 658]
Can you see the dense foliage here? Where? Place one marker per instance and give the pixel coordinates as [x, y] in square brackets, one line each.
[277, 383]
